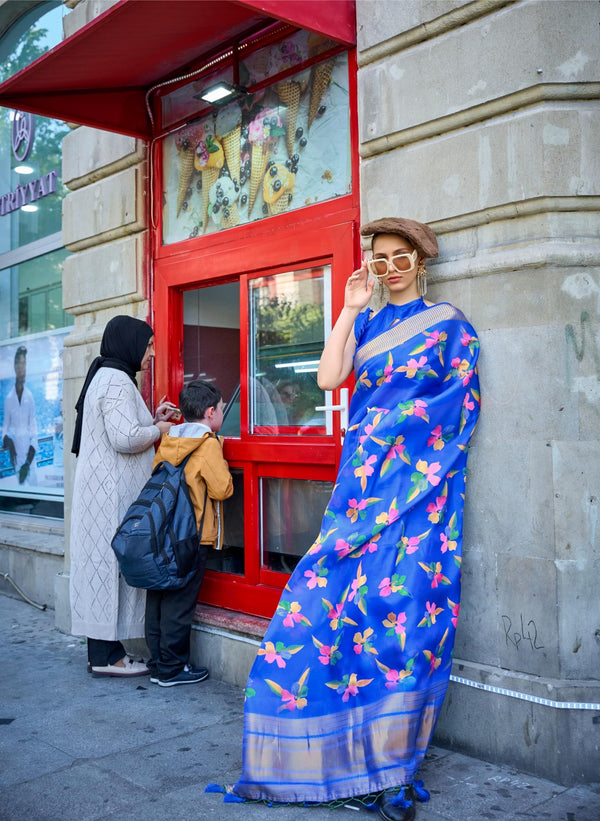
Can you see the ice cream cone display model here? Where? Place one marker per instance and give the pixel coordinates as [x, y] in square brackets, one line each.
[255, 157]
[186, 151]
[289, 94]
[232, 148]
[278, 187]
[263, 133]
[222, 203]
[209, 160]
[228, 126]
[320, 80]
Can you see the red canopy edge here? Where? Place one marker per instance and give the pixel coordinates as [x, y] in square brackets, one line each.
[100, 75]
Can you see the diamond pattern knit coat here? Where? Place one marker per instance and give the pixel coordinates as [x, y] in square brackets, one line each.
[114, 462]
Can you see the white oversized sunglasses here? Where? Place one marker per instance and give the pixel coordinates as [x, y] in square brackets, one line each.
[400, 263]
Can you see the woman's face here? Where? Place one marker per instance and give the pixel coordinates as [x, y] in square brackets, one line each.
[402, 285]
[148, 355]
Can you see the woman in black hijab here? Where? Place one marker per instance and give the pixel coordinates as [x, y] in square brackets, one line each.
[114, 434]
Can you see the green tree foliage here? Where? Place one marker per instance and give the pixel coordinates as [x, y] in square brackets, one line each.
[283, 322]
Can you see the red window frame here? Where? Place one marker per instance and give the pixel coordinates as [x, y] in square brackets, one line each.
[325, 233]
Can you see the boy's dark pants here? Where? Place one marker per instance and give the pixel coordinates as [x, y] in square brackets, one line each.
[169, 615]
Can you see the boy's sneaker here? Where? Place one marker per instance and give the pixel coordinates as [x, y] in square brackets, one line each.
[188, 675]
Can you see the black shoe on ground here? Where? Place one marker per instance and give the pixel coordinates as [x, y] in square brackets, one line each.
[397, 805]
[188, 675]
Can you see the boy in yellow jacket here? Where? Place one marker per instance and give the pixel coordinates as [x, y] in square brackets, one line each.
[169, 613]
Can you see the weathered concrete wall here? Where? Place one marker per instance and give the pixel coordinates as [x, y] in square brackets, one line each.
[482, 120]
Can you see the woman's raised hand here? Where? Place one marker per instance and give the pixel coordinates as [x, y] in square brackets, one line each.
[358, 288]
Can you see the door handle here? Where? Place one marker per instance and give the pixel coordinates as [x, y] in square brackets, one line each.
[342, 408]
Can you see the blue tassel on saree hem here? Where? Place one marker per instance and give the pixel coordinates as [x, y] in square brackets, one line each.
[420, 792]
[400, 800]
[230, 798]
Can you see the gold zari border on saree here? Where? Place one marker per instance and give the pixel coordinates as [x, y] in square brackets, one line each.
[403, 331]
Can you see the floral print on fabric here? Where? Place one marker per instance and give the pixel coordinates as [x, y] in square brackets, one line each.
[347, 685]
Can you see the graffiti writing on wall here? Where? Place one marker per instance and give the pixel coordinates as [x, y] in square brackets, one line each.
[526, 635]
[583, 343]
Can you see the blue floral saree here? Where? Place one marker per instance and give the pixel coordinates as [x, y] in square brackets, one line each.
[344, 694]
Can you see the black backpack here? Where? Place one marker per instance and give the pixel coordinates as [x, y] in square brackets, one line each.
[157, 544]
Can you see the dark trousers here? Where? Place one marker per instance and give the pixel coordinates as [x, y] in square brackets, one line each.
[101, 653]
[169, 615]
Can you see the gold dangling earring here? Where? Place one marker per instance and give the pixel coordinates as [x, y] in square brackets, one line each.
[422, 278]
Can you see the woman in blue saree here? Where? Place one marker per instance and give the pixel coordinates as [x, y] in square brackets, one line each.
[348, 683]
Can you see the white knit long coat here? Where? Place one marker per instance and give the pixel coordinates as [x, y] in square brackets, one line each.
[114, 463]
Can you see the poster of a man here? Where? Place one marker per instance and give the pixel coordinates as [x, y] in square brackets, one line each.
[31, 456]
[19, 430]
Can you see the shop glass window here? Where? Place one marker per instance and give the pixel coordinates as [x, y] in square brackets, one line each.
[31, 297]
[287, 333]
[31, 189]
[211, 344]
[231, 558]
[285, 147]
[33, 324]
[36, 422]
[291, 511]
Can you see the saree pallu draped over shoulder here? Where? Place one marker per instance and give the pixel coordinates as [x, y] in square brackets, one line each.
[349, 680]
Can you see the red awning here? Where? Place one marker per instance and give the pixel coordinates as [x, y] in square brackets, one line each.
[99, 76]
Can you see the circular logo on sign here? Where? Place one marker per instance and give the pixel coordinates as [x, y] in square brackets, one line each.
[22, 135]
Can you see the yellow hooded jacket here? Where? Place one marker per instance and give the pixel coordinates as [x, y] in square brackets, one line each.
[206, 468]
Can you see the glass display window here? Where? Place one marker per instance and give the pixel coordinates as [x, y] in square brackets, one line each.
[284, 147]
[31, 190]
[287, 333]
[31, 420]
[33, 324]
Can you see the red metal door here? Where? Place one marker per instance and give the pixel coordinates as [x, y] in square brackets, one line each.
[253, 318]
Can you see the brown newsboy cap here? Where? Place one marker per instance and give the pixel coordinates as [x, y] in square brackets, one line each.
[417, 233]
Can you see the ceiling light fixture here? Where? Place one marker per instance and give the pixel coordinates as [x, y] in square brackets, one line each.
[221, 93]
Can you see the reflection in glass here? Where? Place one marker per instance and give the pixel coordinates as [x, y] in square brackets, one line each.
[287, 323]
[291, 513]
[211, 342]
[231, 558]
[31, 296]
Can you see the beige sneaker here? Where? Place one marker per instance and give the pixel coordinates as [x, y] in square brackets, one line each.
[131, 668]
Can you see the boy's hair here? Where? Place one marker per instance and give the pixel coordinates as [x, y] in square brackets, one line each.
[196, 398]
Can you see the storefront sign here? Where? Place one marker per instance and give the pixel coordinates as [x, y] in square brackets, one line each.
[23, 133]
[31, 191]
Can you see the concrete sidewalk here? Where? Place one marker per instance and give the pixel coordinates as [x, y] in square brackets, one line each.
[76, 748]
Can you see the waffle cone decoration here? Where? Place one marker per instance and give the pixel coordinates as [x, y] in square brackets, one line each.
[278, 187]
[233, 218]
[320, 80]
[280, 205]
[259, 159]
[289, 94]
[232, 146]
[186, 169]
[209, 178]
